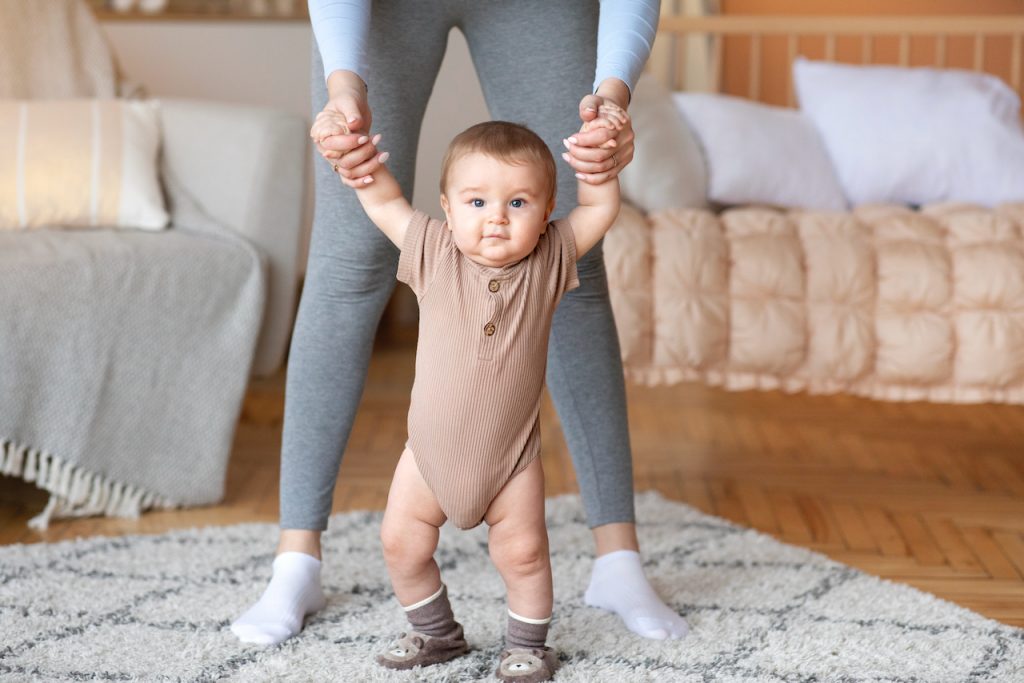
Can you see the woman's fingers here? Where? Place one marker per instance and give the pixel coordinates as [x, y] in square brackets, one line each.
[594, 137]
[363, 172]
[356, 167]
[600, 177]
[357, 155]
[354, 158]
[589, 167]
[597, 165]
[589, 153]
[589, 106]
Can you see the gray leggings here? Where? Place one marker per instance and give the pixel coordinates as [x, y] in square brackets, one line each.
[535, 60]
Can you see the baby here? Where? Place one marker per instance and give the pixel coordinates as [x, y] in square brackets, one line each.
[487, 280]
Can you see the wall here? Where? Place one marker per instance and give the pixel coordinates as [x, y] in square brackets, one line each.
[775, 66]
[267, 63]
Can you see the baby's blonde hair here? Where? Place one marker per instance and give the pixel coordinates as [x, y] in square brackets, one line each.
[509, 142]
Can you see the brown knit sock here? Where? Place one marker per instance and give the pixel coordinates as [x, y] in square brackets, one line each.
[435, 636]
[522, 633]
[435, 618]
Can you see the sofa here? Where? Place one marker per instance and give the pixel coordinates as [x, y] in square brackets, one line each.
[125, 353]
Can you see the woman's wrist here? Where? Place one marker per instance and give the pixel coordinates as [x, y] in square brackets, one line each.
[341, 80]
[615, 90]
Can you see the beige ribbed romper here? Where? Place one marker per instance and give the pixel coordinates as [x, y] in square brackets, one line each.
[480, 361]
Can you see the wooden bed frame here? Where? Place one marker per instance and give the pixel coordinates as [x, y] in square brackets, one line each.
[994, 44]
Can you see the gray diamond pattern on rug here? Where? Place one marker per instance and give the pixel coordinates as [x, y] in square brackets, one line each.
[156, 608]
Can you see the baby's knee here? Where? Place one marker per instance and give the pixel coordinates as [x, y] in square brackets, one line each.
[403, 548]
[522, 555]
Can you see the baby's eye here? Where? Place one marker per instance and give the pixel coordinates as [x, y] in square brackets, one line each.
[517, 203]
[478, 203]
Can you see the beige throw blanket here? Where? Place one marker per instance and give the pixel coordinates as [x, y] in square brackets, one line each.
[53, 49]
[883, 302]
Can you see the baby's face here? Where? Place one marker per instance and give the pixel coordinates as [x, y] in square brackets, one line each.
[496, 211]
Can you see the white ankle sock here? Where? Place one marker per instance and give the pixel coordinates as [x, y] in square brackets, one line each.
[618, 584]
[293, 593]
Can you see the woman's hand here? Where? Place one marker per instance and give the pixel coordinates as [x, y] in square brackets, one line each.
[341, 130]
[604, 145]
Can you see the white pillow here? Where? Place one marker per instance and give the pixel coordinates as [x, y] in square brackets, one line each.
[667, 168]
[80, 163]
[757, 154]
[916, 135]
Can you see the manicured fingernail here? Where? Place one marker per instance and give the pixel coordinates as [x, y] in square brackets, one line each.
[376, 138]
[566, 143]
[363, 140]
[384, 157]
[612, 143]
[574, 141]
[580, 176]
[367, 180]
[565, 156]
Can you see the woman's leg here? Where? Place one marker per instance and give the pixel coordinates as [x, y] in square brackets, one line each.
[536, 61]
[349, 278]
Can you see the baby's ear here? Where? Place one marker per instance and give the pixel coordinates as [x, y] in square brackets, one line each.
[445, 207]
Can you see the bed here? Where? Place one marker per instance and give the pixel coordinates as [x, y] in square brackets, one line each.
[893, 300]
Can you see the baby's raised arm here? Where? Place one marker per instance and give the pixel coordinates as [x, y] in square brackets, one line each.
[598, 204]
[379, 193]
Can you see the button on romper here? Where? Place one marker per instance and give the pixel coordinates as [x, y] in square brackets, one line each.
[480, 361]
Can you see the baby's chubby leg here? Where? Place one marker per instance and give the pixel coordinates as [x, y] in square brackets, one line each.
[518, 542]
[409, 534]
[519, 549]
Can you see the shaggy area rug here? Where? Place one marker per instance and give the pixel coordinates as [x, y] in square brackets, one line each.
[157, 608]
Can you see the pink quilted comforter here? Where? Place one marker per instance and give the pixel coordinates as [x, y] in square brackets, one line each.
[883, 302]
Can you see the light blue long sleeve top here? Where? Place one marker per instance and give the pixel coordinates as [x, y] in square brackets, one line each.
[625, 33]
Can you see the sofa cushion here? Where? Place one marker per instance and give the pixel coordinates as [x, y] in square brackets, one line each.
[80, 163]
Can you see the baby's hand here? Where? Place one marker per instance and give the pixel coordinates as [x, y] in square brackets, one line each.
[354, 165]
[328, 123]
[609, 116]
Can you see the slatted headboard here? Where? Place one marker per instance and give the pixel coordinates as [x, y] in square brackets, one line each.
[751, 56]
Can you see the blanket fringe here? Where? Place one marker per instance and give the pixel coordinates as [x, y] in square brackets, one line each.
[74, 492]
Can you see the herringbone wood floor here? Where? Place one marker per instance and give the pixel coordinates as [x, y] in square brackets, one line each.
[930, 495]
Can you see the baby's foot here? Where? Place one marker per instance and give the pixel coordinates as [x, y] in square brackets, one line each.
[293, 594]
[527, 665]
[619, 585]
[418, 649]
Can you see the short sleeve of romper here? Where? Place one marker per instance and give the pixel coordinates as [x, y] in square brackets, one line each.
[558, 248]
[426, 243]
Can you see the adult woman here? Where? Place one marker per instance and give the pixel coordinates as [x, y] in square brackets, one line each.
[533, 58]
